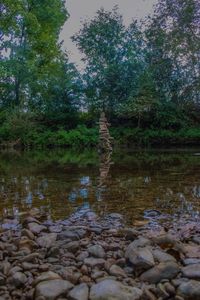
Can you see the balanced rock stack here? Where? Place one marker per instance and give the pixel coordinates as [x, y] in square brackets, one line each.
[105, 139]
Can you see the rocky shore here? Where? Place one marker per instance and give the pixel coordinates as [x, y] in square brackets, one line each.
[86, 257]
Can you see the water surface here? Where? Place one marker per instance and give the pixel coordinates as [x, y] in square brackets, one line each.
[60, 182]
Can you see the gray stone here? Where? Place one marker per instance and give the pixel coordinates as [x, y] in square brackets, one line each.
[79, 292]
[167, 270]
[162, 256]
[141, 258]
[191, 261]
[46, 276]
[72, 246]
[191, 271]
[47, 240]
[18, 279]
[189, 290]
[69, 234]
[113, 290]
[52, 289]
[36, 228]
[94, 262]
[117, 271]
[97, 251]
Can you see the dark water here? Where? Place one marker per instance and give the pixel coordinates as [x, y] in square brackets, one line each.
[61, 182]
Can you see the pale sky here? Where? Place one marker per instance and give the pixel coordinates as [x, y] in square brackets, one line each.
[80, 10]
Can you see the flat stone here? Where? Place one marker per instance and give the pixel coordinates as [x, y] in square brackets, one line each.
[72, 246]
[97, 251]
[47, 240]
[79, 292]
[167, 270]
[113, 290]
[141, 258]
[189, 290]
[36, 228]
[191, 261]
[46, 276]
[69, 234]
[117, 271]
[191, 271]
[162, 256]
[93, 262]
[52, 289]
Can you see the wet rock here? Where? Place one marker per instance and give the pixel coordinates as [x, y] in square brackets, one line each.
[36, 228]
[191, 271]
[189, 290]
[80, 292]
[97, 251]
[47, 240]
[117, 271]
[94, 262]
[52, 289]
[141, 258]
[167, 270]
[111, 289]
[18, 279]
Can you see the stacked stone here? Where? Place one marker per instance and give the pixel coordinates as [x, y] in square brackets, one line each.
[105, 139]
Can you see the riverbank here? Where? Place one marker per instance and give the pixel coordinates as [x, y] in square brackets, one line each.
[85, 137]
[88, 257]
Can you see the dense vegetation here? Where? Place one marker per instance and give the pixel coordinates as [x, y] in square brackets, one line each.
[146, 76]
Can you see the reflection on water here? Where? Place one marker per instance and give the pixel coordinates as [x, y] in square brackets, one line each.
[59, 182]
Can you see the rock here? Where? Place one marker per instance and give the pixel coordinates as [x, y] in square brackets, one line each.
[79, 292]
[192, 251]
[162, 256]
[94, 262]
[141, 242]
[36, 228]
[167, 270]
[130, 233]
[28, 234]
[72, 246]
[46, 276]
[18, 279]
[97, 251]
[113, 290]
[141, 258]
[69, 234]
[47, 240]
[191, 271]
[189, 290]
[117, 271]
[29, 266]
[52, 289]
[191, 261]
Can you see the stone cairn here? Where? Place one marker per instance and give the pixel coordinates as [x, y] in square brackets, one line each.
[105, 139]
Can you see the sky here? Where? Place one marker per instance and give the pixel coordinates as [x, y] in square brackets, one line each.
[80, 10]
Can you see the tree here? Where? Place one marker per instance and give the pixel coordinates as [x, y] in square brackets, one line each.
[174, 39]
[113, 58]
[30, 46]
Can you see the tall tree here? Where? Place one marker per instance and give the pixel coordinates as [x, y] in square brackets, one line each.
[29, 45]
[113, 57]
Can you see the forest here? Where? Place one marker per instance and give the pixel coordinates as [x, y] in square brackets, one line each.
[145, 76]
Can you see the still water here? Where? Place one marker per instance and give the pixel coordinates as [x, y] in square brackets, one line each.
[61, 182]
